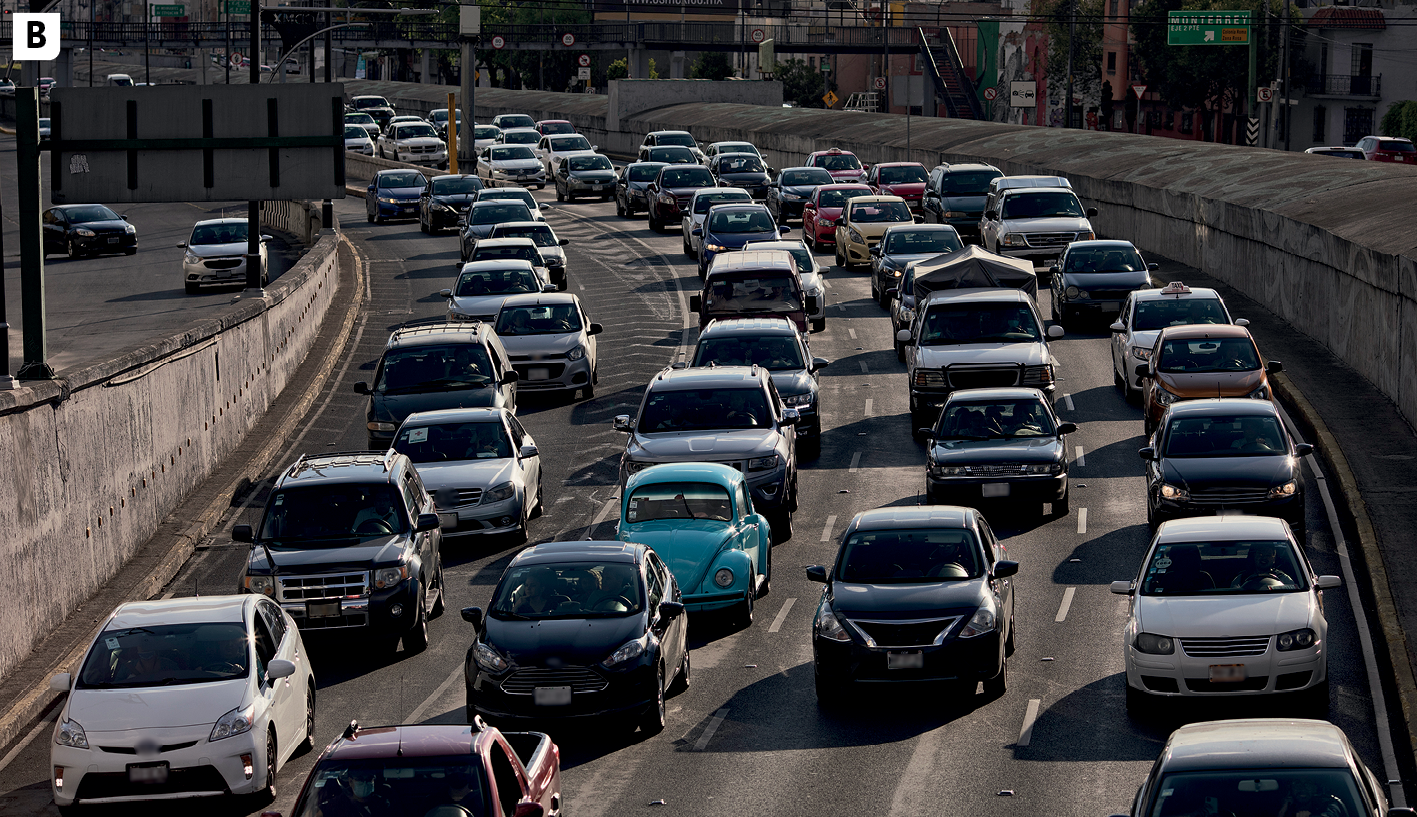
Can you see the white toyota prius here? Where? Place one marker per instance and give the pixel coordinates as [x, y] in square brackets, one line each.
[185, 697]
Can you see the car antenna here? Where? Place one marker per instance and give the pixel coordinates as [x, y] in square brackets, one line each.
[270, 560]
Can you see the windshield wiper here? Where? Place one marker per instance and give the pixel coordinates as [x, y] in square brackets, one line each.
[508, 614]
[971, 437]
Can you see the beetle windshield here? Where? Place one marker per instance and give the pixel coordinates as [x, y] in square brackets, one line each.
[1223, 568]
[167, 654]
[679, 500]
[903, 556]
[569, 590]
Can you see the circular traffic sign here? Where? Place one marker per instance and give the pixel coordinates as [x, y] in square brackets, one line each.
[759, 35]
[235, 59]
[880, 83]
[991, 93]
[583, 60]
[568, 39]
[499, 42]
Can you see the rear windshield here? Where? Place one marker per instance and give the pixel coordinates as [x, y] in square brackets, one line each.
[679, 500]
[902, 175]
[979, 323]
[1104, 259]
[915, 242]
[1396, 146]
[777, 353]
[1003, 419]
[906, 556]
[500, 212]
[706, 409]
[569, 590]
[1152, 315]
[442, 442]
[803, 178]
[765, 293]
[1201, 355]
[538, 233]
[513, 281]
[445, 367]
[968, 182]
[644, 172]
[167, 654]
[335, 515]
[869, 212]
[1225, 436]
[1060, 204]
[523, 253]
[704, 201]
[507, 194]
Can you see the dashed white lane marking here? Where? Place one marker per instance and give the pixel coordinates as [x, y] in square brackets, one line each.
[863, 366]
[827, 528]
[582, 286]
[1068, 400]
[852, 333]
[868, 406]
[1079, 457]
[1025, 735]
[1067, 603]
[1082, 520]
[712, 727]
[855, 462]
[781, 615]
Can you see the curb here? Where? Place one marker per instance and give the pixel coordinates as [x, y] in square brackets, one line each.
[1378, 580]
[36, 702]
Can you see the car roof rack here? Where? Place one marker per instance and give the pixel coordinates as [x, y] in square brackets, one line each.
[311, 461]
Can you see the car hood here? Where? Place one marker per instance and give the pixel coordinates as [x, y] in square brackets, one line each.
[1047, 225]
[395, 407]
[372, 551]
[1200, 473]
[1106, 280]
[1026, 353]
[737, 240]
[1021, 449]
[217, 250]
[964, 204]
[906, 190]
[443, 479]
[478, 230]
[907, 600]
[561, 641]
[456, 199]
[400, 192]
[558, 155]
[637, 185]
[802, 191]
[811, 282]
[1145, 338]
[479, 304]
[692, 446]
[875, 229]
[116, 710]
[516, 164]
[1212, 384]
[111, 225]
[1223, 616]
[687, 546]
[830, 213]
[794, 382]
[537, 347]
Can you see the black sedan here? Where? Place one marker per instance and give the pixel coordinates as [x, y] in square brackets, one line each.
[87, 229]
[630, 196]
[445, 200]
[1093, 278]
[916, 594]
[589, 175]
[579, 629]
[1224, 455]
[1002, 445]
[794, 186]
[745, 171]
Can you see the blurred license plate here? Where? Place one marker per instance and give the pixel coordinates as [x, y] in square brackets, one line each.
[551, 696]
[1227, 673]
[152, 773]
[993, 489]
[1112, 306]
[321, 609]
[538, 374]
[905, 660]
[112, 241]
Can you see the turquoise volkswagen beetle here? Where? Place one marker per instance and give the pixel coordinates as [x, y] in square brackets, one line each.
[699, 518]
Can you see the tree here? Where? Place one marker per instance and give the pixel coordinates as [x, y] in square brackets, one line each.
[619, 69]
[713, 65]
[1400, 120]
[801, 84]
[1081, 22]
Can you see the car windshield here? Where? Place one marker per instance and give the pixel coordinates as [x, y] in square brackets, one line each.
[415, 132]
[681, 139]
[355, 132]
[397, 787]
[334, 515]
[370, 102]
[1225, 436]
[454, 442]
[456, 187]
[776, 353]
[753, 292]
[837, 198]
[482, 252]
[440, 115]
[871, 212]
[512, 281]
[803, 178]
[679, 500]
[359, 119]
[90, 212]
[703, 201]
[557, 127]
[739, 163]
[529, 137]
[917, 242]
[499, 212]
[686, 177]
[565, 143]
[672, 155]
[979, 323]
[1223, 568]
[569, 590]
[167, 654]
[506, 153]
[542, 319]
[644, 172]
[590, 163]
[736, 147]
[539, 233]
[1159, 314]
[401, 180]
[706, 409]
[1104, 259]
[838, 161]
[968, 182]
[1199, 355]
[226, 233]
[1049, 204]
[434, 368]
[508, 194]
[741, 221]
[996, 419]
[908, 174]
[516, 120]
[909, 556]
[1321, 792]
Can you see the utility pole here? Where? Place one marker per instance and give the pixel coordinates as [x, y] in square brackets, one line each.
[1072, 37]
[467, 143]
[147, 49]
[1285, 104]
[253, 208]
[886, 56]
[36, 353]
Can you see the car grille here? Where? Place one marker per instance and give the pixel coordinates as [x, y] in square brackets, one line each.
[1108, 294]
[1225, 647]
[224, 263]
[525, 358]
[579, 679]
[325, 586]
[1252, 684]
[1228, 496]
[553, 370]
[133, 750]
[98, 785]
[982, 377]
[1050, 240]
[468, 496]
[1012, 469]
[682, 202]
[423, 149]
[913, 633]
[734, 464]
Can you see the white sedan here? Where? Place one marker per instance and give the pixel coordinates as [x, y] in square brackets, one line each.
[552, 150]
[1225, 606]
[183, 697]
[216, 254]
[415, 142]
[356, 140]
[510, 164]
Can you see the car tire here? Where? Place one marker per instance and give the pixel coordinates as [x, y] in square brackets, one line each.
[559, 195]
[1139, 704]
[899, 348]
[681, 680]
[569, 197]
[1062, 507]
[1119, 382]
[541, 187]
[73, 249]
[995, 687]
[743, 613]
[588, 390]
[1317, 700]
[370, 216]
[440, 604]
[540, 499]
[378, 219]
[268, 793]
[652, 721]
[619, 207]
[654, 222]
[423, 226]
[840, 261]
[519, 536]
[192, 289]
[819, 325]
[416, 639]
[1009, 643]
[309, 742]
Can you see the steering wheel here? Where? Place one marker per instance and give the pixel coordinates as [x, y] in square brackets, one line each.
[1237, 364]
[374, 526]
[610, 601]
[1261, 581]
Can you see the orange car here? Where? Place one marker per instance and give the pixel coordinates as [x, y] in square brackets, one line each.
[1203, 360]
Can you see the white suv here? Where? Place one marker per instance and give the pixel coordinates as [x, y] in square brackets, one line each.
[1034, 218]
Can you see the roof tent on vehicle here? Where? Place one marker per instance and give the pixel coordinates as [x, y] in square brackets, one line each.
[973, 267]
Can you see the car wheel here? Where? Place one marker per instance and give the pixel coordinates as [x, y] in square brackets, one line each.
[378, 219]
[1009, 644]
[369, 216]
[688, 250]
[440, 604]
[540, 499]
[1152, 522]
[743, 613]
[808, 239]
[74, 252]
[541, 187]
[588, 390]
[1139, 704]
[654, 223]
[652, 722]
[416, 639]
[1119, 382]
[519, 536]
[269, 792]
[899, 349]
[681, 681]
[309, 742]
[1317, 703]
[875, 291]
[840, 262]
[819, 325]
[559, 195]
[996, 687]
[423, 226]
[619, 207]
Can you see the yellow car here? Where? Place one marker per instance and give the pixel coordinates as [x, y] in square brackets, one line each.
[863, 221]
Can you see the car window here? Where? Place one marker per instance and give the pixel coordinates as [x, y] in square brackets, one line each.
[166, 654]
[745, 504]
[656, 588]
[266, 646]
[914, 242]
[539, 319]
[412, 497]
[999, 419]
[415, 132]
[702, 409]
[518, 433]
[1324, 791]
[1223, 568]
[703, 201]
[979, 323]
[572, 589]
[511, 281]
[442, 367]
[562, 143]
[679, 500]
[1043, 204]
[644, 172]
[665, 577]
[1200, 355]
[869, 212]
[1104, 259]
[1164, 312]
[590, 163]
[540, 234]
[274, 620]
[777, 353]
[226, 233]
[904, 556]
[686, 177]
[335, 515]
[1225, 436]
[901, 175]
[504, 153]
[802, 178]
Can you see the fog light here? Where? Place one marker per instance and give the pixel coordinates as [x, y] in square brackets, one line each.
[58, 777]
[396, 610]
[504, 521]
[246, 766]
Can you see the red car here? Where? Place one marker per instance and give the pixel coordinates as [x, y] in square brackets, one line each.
[842, 164]
[904, 179]
[427, 769]
[1388, 149]
[820, 212]
[669, 193]
[549, 127]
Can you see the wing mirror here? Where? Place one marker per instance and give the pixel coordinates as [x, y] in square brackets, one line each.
[563, 242]
[550, 288]
[1274, 367]
[697, 231]
[427, 522]
[1005, 568]
[446, 293]
[509, 377]
[791, 416]
[1327, 582]
[279, 668]
[1153, 267]
[1121, 588]
[1303, 449]
[595, 147]
[919, 219]
[527, 451]
[893, 292]
[925, 433]
[1117, 326]
[784, 230]
[182, 245]
[696, 303]
[473, 616]
[1053, 270]
[1148, 454]
[1242, 322]
[876, 250]
[242, 533]
[621, 423]
[60, 682]
[1091, 212]
[1067, 428]
[1055, 331]
[361, 387]
[817, 573]
[595, 329]
[903, 336]
[819, 363]
[670, 610]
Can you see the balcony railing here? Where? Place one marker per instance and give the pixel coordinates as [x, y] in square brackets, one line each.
[1343, 85]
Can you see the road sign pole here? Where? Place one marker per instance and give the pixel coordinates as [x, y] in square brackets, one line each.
[253, 208]
[1251, 107]
[36, 353]
[1284, 102]
[147, 49]
[467, 145]
[452, 133]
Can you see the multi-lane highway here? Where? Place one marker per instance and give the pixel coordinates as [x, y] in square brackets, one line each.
[748, 736]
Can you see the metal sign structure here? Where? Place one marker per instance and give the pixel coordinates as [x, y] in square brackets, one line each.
[830, 98]
[1264, 93]
[1139, 89]
[170, 11]
[1208, 28]
[759, 35]
[236, 7]
[197, 143]
[583, 74]
[880, 83]
[1023, 94]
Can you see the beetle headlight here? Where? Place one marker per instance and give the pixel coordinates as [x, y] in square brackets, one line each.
[723, 577]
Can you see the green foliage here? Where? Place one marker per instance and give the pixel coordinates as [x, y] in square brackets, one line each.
[1087, 46]
[1400, 120]
[619, 69]
[714, 65]
[653, 72]
[802, 84]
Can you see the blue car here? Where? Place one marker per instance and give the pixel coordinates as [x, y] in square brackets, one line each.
[394, 194]
[729, 226]
[699, 518]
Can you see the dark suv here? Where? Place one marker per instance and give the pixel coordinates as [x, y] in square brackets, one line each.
[350, 542]
[955, 195]
[669, 193]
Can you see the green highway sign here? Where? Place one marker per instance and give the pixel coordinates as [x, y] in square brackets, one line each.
[1208, 28]
[236, 7]
[170, 11]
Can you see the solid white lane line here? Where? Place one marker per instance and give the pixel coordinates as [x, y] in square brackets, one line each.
[712, 727]
[610, 505]
[781, 615]
[1067, 603]
[417, 714]
[1078, 456]
[827, 529]
[855, 462]
[1025, 735]
[868, 406]
[852, 333]
[46, 724]
[1068, 400]
[863, 366]
[1082, 520]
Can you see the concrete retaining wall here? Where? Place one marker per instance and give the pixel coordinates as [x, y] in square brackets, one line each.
[101, 457]
[628, 97]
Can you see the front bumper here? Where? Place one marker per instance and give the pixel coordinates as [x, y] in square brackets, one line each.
[1090, 308]
[402, 208]
[969, 491]
[201, 769]
[105, 242]
[859, 253]
[491, 519]
[537, 176]
[965, 226]
[621, 691]
[595, 188]
[446, 219]
[552, 375]
[204, 271]
[362, 614]
[710, 602]
[436, 158]
[957, 659]
[1181, 676]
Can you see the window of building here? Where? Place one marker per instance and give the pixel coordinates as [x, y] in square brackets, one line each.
[1362, 60]
[1112, 8]
[1357, 123]
[1111, 62]
[1319, 120]
[1186, 121]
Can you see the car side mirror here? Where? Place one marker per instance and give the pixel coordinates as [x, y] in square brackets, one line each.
[268, 238]
[527, 451]
[1117, 326]
[182, 245]
[1148, 453]
[243, 533]
[670, 610]
[462, 222]
[1242, 321]
[1055, 331]
[1053, 270]
[1091, 212]
[60, 682]
[791, 416]
[926, 433]
[124, 216]
[1327, 583]
[545, 207]
[1153, 267]
[509, 377]
[892, 292]
[595, 329]
[1274, 367]
[1303, 449]
[991, 214]
[279, 668]
[1141, 370]
[473, 616]
[1067, 428]
[1005, 568]
[427, 522]
[563, 242]
[621, 423]
[819, 363]
[697, 231]
[1121, 588]
[812, 303]
[784, 230]
[817, 573]
[361, 387]
[903, 336]
[919, 219]
[696, 303]
[876, 250]
[595, 147]
[550, 288]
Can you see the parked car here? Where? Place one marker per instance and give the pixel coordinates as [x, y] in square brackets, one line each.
[1201, 361]
[1146, 312]
[745, 171]
[753, 282]
[630, 187]
[914, 594]
[698, 518]
[579, 629]
[1338, 151]
[792, 189]
[553, 150]
[670, 191]
[1033, 222]
[955, 195]
[356, 140]
[821, 213]
[376, 106]
[364, 121]
[86, 229]
[1388, 149]
[548, 127]
[900, 246]
[393, 194]
[483, 215]
[669, 138]
[413, 142]
[546, 243]
[585, 175]
[1225, 607]
[862, 223]
[215, 253]
[904, 179]
[809, 272]
[1092, 280]
[694, 214]
[482, 286]
[842, 164]
[728, 227]
[551, 343]
[510, 164]
[445, 201]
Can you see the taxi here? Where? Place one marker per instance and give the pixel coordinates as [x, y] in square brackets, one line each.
[863, 222]
[1145, 313]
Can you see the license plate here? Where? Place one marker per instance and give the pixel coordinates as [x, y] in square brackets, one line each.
[538, 374]
[905, 660]
[1227, 673]
[994, 489]
[322, 609]
[112, 241]
[148, 773]
[1112, 306]
[551, 696]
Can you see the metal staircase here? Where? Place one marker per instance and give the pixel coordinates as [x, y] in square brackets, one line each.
[953, 87]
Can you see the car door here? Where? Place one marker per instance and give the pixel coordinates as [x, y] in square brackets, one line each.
[53, 230]
[1003, 588]
[809, 215]
[679, 626]
[660, 586]
[277, 694]
[501, 367]
[987, 226]
[543, 152]
[290, 700]
[529, 466]
[1119, 340]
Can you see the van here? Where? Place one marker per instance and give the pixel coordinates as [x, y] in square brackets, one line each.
[122, 80]
[753, 284]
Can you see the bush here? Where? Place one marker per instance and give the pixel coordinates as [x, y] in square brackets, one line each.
[619, 69]
[1400, 120]
[715, 65]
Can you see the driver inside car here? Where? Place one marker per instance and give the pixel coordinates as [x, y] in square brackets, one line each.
[1261, 563]
[380, 516]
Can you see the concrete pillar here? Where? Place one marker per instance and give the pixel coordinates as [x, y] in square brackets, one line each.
[424, 77]
[639, 63]
[676, 65]
[64, 68]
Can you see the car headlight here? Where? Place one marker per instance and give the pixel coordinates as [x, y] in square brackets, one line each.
[1086, 236]
[129, 229]
[723, 577]
[1300, 639]
[1262, 393]
[1074, 293]
[85, 232]
[553, 261]
[261, 585]
[633, 467]
[984, 621]
[895, 273]
[630, 650]
[1154, 644]
[855, 236]
[71, 734]
[235, 722]
[1287, 489]
[488, 658]
[907, 316]
[829, 627]
[715, 248]
[1014, 240]
[576, 353]
[803, 399]
[390, 427]
[191, 258]
[386, 577]
[828, 222]
[500, 493]
[497, 171]
[1141, 353]
[388, 200]
[763, 463]
[1165, 398]
[437, 205]
[1171, 492]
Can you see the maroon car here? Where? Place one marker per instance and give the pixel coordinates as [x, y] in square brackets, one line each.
[904, 179]
[549, 127]
[433, 769]
[669, 193]
[1387, 149]
[820, 213]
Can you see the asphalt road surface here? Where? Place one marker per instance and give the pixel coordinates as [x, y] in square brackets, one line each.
[748, 737]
